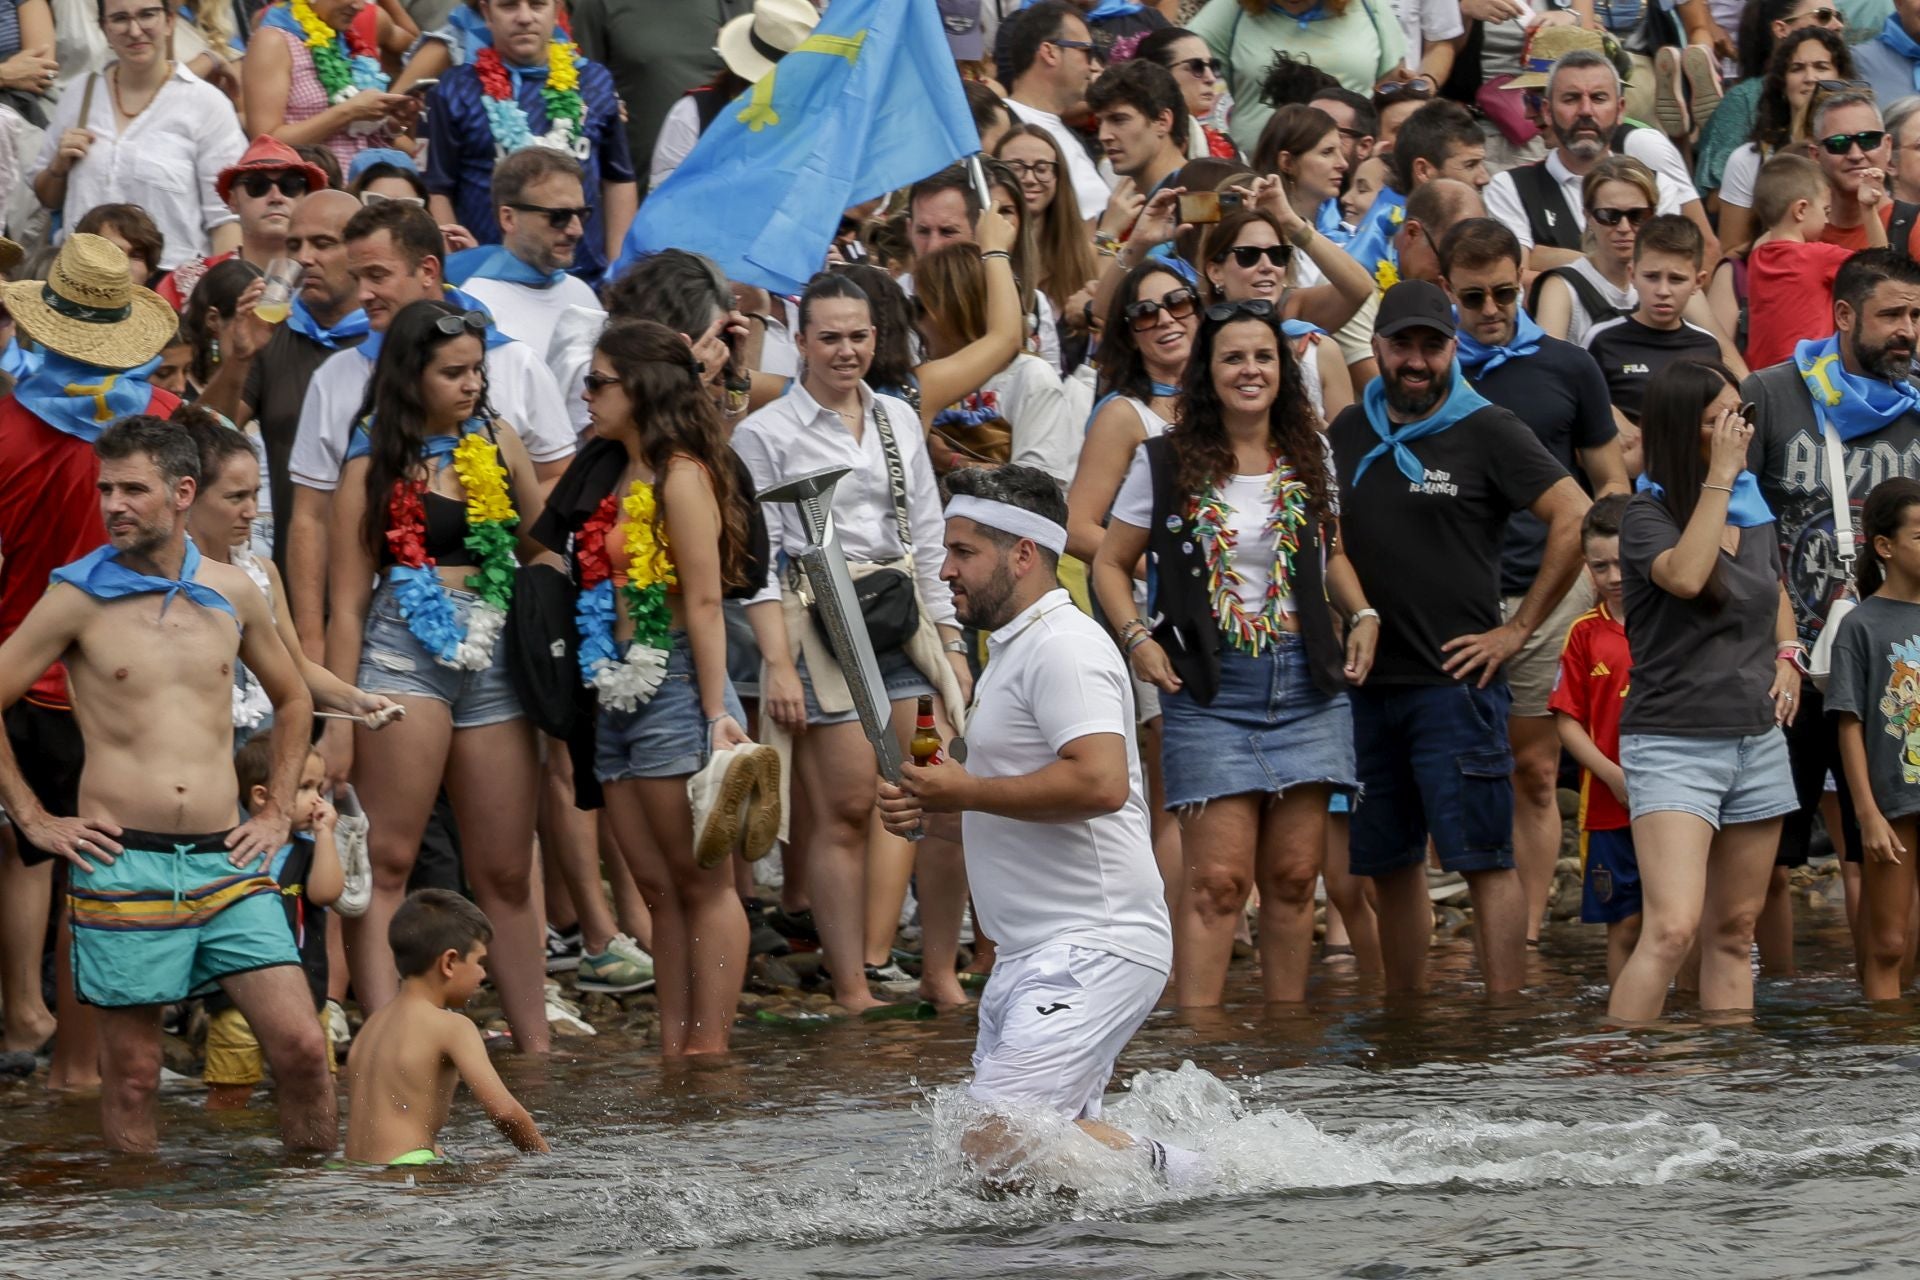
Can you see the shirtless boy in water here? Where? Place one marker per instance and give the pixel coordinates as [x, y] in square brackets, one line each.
[168, 895]
[410, 1055]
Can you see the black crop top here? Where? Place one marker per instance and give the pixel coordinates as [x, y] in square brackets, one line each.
[446, 526]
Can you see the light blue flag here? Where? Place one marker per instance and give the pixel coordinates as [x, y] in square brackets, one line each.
[868, 103]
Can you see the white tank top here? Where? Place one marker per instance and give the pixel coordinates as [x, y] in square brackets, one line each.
[1155, 424]
[251, 706]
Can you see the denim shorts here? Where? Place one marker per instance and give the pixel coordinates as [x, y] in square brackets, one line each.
[1434, 760]
[1270, 729]
[392, 662]
[665, 736]
[1609, 877]
[903, 680]
[1724, 780]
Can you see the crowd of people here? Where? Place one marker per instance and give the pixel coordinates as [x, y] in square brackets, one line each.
[1313, 436]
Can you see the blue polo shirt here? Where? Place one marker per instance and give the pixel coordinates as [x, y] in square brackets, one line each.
[460, 151]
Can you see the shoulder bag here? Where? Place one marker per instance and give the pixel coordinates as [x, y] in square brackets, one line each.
[889, 600]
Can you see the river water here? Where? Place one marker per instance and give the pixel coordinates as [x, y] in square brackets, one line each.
[1352, 1139]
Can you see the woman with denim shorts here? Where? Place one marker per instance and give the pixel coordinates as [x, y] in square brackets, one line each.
[1714, 678]
[432, 499]
[1237, 507]
[655, 514]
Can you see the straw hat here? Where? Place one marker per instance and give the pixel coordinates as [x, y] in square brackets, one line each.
[1547, 45]
[753, 42]
[88, 309]
[10, 254]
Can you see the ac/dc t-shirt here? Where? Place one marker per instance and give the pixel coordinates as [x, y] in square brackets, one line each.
[1428, 552]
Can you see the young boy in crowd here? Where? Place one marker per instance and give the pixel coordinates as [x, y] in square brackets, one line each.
[1632, 348]
[307, 869]
[1586, 702]
[1790, 269]
[410, 1056]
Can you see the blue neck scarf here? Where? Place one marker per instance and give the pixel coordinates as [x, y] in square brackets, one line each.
[1745, 509]
[1479, 360]
[1856, 405]
[1461, 400]
[1166, 388]
[17, 361]
[465, 301]
[280, 18]
[101, 575]
[351, 325]
[435, 450]
[81, 399]
[496, 262]
[1895, 37]
[1304, 19]
[1327, 220]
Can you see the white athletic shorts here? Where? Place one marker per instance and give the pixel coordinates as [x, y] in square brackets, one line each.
[1053, 1021]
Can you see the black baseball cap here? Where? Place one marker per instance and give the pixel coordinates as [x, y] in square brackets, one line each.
[1414, 304]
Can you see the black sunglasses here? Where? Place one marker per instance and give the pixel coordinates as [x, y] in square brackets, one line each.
[558, 219]
[1609, 217]
[1086, 45]
[1842, 86]
[1822, 16]
[598, 382]
[292, 185]
[1247, 256]
[463, 322]
[1195, 66]
[1840, 143]
[1474, 298]
[1145, 314]
[1401, 89]
[1258, 308]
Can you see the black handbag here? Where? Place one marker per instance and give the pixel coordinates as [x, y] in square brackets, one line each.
[543, 648]
[889, 599]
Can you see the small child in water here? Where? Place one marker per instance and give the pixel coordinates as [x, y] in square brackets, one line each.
[410, 1055]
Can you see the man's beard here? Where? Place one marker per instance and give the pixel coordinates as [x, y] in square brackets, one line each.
[1417, 404]
[1884, 360]
[142, 540]
[985, 607]
[1586, 146]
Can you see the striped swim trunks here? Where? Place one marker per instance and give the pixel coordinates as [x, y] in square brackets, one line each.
[169, 918]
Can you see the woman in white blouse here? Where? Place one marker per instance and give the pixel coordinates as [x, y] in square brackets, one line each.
[154, 134]
[887, 513]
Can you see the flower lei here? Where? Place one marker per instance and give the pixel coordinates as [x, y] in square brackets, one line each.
[624, 681]
[342, 69]
[1251, 633]
[491, 520]
[566, 113]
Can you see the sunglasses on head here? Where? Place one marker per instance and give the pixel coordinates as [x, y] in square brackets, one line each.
[1842, 86]
[1257, 308]
[1247, 256]
[463, 322]
[1474, 298]
[256, 185]
[374, 197]
[1145, 314]
[1201, 68]
[1608, 217]
[1840, 144]
[558, 219]
[1402, 89]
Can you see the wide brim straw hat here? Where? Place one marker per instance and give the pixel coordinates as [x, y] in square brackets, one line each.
[753, 42]
[1547, 45]
[88, 309]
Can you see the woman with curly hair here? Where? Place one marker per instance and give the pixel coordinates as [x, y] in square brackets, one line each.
[1794, 73]
[1237, 509]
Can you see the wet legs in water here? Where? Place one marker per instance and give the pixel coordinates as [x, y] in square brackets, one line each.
[1536, 811]
[26, 894]
[1230, 846]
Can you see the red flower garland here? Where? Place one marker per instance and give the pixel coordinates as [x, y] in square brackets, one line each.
[407, 524]
[493, 74]
[590, 546]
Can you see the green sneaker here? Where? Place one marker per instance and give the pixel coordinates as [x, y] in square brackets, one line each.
[621, 968]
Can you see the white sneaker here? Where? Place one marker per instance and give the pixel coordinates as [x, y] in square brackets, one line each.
[736, 804]
[563, 1015]
[356, 865]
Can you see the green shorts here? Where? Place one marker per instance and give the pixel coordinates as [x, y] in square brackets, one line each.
[169, 918]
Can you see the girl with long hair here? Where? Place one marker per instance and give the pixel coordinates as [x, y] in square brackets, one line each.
[1198, 73]
[1799, 64]
[434, 498]
[1763, 24]
[1245, 256]
[656, 517]
[1714, 679]
[1237, 508]
[1618, 194]
[1064, 259]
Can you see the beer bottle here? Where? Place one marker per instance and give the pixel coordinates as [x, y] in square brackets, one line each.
[925, 743]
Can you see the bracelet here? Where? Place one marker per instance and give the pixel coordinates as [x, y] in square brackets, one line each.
[1303, 237]
[1001, 254]
[1358, 614]
[1107, 246]
[1139, 638]
[1789, 651]
[1130, 626]
[1724, 488]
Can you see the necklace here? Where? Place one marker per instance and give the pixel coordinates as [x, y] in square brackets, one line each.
[1251, 633]
[624, 679]
[342, 67]
[491, 519]
[566, 113]
[119, 107]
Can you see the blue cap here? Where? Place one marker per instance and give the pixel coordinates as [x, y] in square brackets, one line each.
[380, 155]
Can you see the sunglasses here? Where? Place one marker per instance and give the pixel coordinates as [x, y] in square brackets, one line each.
[1085, 46]
[1842, 86]
[1145, 314]
[1825, 17]
[1473, 298]
[1258, 308]
[1033, 168]
[1402, 89]
[1840, 144]
[598, 382]
[1200, 68]
[558, 219]
[292, 185]
[1247, 256]
[1613, 217]
[463, 322]
[374, 197]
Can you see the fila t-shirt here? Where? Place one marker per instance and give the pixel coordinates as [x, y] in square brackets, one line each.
[1630, 353]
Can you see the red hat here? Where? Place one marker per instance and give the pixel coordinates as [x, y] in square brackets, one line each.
[268, 154]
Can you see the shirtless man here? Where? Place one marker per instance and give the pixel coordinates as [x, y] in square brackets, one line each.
[418, 1047]
[149, 632]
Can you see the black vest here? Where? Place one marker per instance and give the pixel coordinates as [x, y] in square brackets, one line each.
[1553, 224]
[1188, 630]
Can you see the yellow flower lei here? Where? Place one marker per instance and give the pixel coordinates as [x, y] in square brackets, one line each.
[490, 518]
[646, 554]
[562, 75]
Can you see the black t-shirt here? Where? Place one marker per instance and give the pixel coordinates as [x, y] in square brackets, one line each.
[1559, 392]
[276, 386]
[1629, 353]
[1701, 667]
[1428, 554]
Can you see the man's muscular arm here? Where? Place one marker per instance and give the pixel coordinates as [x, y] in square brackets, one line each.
[43, 637]
[267, 658]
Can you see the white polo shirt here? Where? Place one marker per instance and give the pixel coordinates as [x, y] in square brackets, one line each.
[1052, 676]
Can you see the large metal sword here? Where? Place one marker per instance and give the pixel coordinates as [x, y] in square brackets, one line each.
[825, 565]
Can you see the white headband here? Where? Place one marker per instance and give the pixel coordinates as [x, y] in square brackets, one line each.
[1007, 518]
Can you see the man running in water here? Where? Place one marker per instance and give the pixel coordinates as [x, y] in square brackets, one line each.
[1059, 852]
[169, 896]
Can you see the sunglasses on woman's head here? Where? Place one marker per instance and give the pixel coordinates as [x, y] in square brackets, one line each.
[1840, 143]
[1201, 68]
[1842, 86]
[1177, 303]
[1247, 256]
[292, 185]
[1258, 308]
[1609, 217]
[464, 322]
[1402, 89]
[374, 197]
[1474, 298]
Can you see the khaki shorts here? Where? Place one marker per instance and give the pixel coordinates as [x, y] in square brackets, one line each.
[234, 1055]
[1531, 672]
